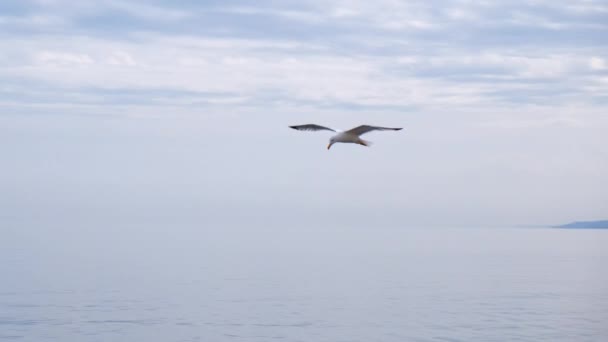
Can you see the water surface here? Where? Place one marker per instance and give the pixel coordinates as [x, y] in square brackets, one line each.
[90, 282]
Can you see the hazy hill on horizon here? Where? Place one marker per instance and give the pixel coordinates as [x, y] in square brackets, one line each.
[586, 224]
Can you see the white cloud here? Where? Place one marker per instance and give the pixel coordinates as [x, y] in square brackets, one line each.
[37, 20]
[252, 68]
[461, 14]
[305, 16]
[597, 63]
[65, 59]
[147, 11]
[344, 12]
[421, 74]
[121, 58]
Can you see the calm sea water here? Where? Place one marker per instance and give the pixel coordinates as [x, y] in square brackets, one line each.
[174, 283]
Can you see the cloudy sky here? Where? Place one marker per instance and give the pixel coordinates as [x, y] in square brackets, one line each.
[177, 111]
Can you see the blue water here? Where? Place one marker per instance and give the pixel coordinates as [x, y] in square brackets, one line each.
[116, 282]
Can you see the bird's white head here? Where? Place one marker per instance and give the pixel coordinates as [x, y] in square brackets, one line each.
[331, 142]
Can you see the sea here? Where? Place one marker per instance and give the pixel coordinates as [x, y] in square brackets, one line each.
[190, 282]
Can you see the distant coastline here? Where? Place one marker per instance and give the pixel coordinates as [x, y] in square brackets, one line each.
[602, 224]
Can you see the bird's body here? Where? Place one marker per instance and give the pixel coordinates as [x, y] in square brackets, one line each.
[349, 136]
[345, 137]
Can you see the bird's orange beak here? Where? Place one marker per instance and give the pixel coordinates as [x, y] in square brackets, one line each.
[328, 146]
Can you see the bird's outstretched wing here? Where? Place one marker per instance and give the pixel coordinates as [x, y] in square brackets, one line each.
[366, 129]
[312, 127]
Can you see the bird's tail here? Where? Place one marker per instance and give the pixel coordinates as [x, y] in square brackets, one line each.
[365, 142]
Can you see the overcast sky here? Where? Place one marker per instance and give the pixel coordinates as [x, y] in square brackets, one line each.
[177, 111]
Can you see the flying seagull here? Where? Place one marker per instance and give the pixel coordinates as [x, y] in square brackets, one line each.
[350, 136]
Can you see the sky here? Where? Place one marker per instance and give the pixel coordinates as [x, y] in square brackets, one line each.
[176, 112]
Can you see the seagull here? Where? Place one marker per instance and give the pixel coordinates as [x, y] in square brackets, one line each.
[350, 136]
